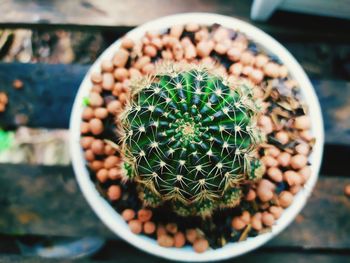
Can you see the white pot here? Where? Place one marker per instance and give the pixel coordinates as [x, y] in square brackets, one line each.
[115, 222]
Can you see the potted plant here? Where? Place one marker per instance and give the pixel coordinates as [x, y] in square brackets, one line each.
[196, 137]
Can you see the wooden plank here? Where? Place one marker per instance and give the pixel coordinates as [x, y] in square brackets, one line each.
[131, 255]
[49, 90]
[131, 13]
[41, 200]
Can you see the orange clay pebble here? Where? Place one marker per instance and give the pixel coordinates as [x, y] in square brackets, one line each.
[273, 151]
[302, 148]
[98, 146]
[179, 239]
[88, 113]
[89, 155]
[149, 228]
[171, 228]
[134, 73]
[150, 51]
[96, 77]
[3, 99]
[285, 199]
[141, 62]
[114, 173]
[247, 58]
[123, 98]
[191, 235]
[120, 74]
[101, 113]
[96, 165]
[127, 43]
[176, 31]
[114, 193]
[84, 127]
[148, 68]
[269, 161]
[2, 107]
[265, 194]
[295, 189]
[96, 126]
[251, 195]
[135, 226]
[305, 173]
[247, 70]
[302, 122]
[238, 223]
[236, 69]
[144, 215]
[202, 34]
[190, 52]
[192, 27]
[282, 137]
[265, 123]
[161, 230]
[267, 219]
[165, 240]
[17, 84]
[96, 88]
[306, 135]
[204, 48]
[107, 66]
[256, 221]
[128, 214]
[221, 48]
[284, 159]
[107, 81]
[276, 211]
[86, 141]
[298, 161]
[166, 54]
[114, 106]
[261, 60]
[200, 245]
[292, 178]
[256, 76]
[234, 54]
[275, 174]
[347, 190]
[120, 58]
[102, 175]
[95, 99]
[111, 161]
[245, 217]
[271, 69]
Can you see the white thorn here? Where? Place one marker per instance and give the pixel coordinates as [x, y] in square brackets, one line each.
[142, 153]
[182, 162]
[219, 165]
[179, 177]
[199, 167]
[154, 144]
[210, 153]
[162, 164]
[142, 129]
[151, 108]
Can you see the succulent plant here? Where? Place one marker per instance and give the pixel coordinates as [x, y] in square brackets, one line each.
[190, 139]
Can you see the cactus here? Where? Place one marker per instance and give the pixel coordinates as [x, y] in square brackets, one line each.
[189, 139]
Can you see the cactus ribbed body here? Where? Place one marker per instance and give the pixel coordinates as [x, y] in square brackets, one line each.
[190, 139]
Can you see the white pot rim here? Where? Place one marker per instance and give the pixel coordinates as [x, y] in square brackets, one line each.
[114, 221]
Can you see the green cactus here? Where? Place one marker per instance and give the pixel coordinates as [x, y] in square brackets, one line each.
[190, 139]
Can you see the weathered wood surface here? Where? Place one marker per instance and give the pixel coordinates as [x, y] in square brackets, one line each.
[41, 200]
[131, 13]
[49, 90]
[132, 255]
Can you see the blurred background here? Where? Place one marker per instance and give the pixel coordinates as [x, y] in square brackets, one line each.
[46, 47]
